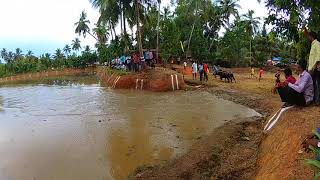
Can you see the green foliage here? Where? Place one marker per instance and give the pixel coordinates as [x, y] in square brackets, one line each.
[315, 132]
[289, 16]
[116, 72]
[30, 63]
[314, 163]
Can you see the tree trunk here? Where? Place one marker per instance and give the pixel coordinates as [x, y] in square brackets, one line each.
[111, 34]
[250, 51]
[121, 10]
[93, 36]
[158, 29]
[211, 44]
[138, 27]
[124, 22]
[114, 31]
[194, 23]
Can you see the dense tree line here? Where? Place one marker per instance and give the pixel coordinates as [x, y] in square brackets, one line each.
[190, 28]
[17, 62]
[186, 28]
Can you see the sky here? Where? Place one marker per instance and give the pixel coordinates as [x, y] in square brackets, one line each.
[45, 25]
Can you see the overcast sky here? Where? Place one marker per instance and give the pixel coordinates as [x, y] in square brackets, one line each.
[45, 25]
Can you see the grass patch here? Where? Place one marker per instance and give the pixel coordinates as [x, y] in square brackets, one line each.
[116, 71]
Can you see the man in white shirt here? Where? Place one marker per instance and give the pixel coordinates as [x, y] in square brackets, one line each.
[194, 70]
[185, 65]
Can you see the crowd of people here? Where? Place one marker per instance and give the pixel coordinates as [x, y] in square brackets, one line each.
[134, 62]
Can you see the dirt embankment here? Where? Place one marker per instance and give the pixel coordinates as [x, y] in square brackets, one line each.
[230, 152]
[158, 80]
[45, 74]
[240, 150]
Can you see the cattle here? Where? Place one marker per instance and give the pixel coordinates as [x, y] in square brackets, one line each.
[227, 76]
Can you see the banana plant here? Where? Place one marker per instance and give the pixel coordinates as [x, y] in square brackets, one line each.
[314, 163]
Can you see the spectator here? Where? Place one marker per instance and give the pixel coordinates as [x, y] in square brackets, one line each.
[136, 61]
[117, 61]
[201, 71]
[151, 56]
[289, 79]
[185, 65]
[206, 71]
[128, 62]
[194, 70]
[178, 61]
[122, 59]
[260, 74]
[252, 72]
[299, 93]
[314, 59]
[147, 57]
[142, 63]
[315, 49]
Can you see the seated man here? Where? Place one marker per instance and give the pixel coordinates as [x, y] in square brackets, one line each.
[299, 93]
[289, 79]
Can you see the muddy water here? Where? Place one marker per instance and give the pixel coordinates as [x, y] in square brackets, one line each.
[75, 129]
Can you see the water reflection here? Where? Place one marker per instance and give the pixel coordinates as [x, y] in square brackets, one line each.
[74, 129]
[80, 80]
[1, 103]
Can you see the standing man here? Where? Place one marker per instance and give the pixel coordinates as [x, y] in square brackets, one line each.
[136, 61]
[146, 56]
[206, 71]
[314, 59]
[201, 71]
[185, 65]
[194, 70]
[150, 57]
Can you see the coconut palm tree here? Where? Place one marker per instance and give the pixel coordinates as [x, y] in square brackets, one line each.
[76, 44]
[82, 26]
[67, 50]
[4, 54]
[10, 56]
[18, 54]
[228, 8]
[109, 13]
[58, 54]
[102, 33]
[47, 55]
[124, 10]
[29, 53]
[252, 26]
[87, 49]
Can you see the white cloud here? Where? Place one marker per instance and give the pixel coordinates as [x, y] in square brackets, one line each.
[259, 9]
[42, 20]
